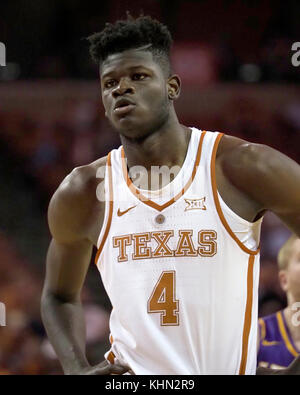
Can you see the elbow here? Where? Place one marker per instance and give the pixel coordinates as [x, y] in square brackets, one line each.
[47, 303]
[50, 299]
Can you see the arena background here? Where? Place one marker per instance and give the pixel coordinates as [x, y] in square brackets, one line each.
[235, 60]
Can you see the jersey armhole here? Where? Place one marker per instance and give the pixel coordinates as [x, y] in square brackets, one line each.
[217, 201]
[108, 209]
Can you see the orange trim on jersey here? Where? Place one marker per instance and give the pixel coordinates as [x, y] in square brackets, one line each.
[285, 336]
[248, 315]
[217, 202]
[110, 208]
[149, 202]
[111, 357]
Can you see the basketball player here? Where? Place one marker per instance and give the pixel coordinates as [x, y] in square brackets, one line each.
[279, 333]
[179, 260]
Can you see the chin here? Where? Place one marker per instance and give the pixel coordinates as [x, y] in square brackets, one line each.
[133, 134]
[131, 130]
[136, 127]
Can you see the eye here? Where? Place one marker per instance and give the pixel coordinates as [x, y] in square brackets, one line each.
[139, 76]
[109, 84]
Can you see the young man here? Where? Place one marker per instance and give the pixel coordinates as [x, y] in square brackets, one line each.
[279, 333]
[179, 258]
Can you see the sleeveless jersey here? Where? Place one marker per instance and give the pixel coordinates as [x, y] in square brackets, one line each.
[183, 287]
[276, 347]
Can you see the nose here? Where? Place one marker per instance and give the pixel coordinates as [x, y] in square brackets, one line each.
[124, 87]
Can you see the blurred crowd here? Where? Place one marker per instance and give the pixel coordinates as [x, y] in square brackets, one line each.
[51, 148]
[24, 347]
[244, 40]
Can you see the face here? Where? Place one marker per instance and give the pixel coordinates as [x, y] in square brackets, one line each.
[136, 92]
[290, 278]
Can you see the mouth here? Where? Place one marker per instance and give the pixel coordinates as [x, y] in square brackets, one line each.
[124, 106]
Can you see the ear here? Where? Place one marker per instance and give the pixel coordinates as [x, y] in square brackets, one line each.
[174, 85]
[283, 280]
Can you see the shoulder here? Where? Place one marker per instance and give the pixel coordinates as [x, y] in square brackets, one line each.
[234, 151]
[252, 167]
[82, 180]
[241, 161]
[75, 200]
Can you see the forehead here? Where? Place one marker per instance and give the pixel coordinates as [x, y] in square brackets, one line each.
[126, 60]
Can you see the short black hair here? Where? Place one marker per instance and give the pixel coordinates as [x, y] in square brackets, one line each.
[133, 33]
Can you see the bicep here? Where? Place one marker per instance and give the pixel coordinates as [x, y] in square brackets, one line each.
[280, 189]
[70, 250]
[269, 178]
[66, 268]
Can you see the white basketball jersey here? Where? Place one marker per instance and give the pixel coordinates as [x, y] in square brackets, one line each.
[183, 287]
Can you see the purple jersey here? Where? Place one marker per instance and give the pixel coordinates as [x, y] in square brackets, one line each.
[276, 346]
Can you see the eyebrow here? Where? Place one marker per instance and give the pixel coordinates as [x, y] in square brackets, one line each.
[105, 75]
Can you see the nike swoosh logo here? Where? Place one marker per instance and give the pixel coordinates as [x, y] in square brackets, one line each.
[120, 213]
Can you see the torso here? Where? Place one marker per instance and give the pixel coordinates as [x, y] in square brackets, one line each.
[199, 257]
[236, 200]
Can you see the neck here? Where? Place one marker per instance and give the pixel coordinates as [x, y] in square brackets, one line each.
[166, 146]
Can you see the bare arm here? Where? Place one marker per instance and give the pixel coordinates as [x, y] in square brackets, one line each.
[271, 182]
[68, 260]
[268, 178]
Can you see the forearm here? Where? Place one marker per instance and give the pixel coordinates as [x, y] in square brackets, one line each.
[65, 327]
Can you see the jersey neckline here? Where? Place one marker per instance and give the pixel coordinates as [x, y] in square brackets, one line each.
[140, 193]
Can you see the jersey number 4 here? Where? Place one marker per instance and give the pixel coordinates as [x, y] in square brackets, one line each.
[163, 301]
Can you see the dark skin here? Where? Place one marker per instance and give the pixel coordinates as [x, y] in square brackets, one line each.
[251, 179]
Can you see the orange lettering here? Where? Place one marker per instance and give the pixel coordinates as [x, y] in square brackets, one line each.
[185, 245]
[206, 239]
[162, 299]
[122, 242]
[141, 251]
[162, 238]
